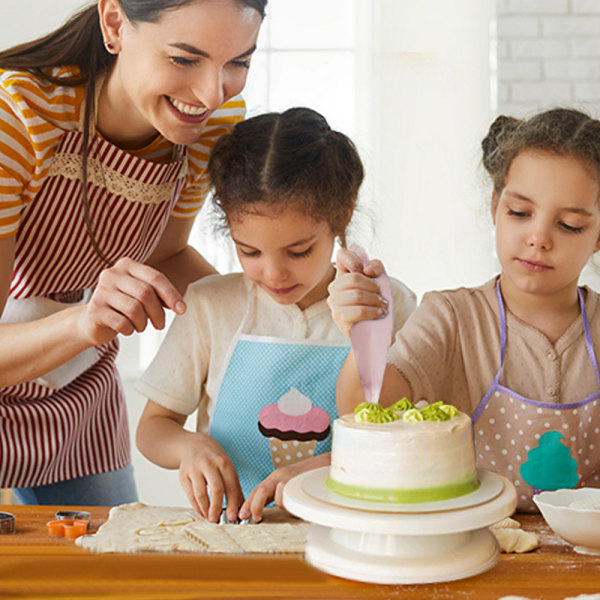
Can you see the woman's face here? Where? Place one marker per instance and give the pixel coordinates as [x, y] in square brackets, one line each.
[170, 75]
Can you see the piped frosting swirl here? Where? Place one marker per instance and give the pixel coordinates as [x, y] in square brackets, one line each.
[367, 412]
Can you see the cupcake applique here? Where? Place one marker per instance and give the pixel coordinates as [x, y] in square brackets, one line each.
[293, 426]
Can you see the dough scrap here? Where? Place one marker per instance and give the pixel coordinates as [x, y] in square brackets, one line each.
[137, 527]
[507, 523]
[512, 538]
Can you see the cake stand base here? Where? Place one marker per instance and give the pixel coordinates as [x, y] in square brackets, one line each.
[477, 555]
[399, 547]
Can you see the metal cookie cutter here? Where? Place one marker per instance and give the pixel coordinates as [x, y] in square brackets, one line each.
[68, 528]
[80, 515]
[224, 520]
[7, 523]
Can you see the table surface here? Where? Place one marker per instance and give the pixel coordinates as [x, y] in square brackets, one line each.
[34, 565]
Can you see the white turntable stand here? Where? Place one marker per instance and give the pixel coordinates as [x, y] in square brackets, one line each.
[400, 543]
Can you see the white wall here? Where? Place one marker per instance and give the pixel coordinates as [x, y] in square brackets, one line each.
[431, 107]
[24, 20]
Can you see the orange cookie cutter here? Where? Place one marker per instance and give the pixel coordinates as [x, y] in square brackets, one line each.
[68, 528]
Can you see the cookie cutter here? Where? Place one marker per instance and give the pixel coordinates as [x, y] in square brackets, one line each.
[80, 515]
[224, 520]
[68, 528]
[7, 523]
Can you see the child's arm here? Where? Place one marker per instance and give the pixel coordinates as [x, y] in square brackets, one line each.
[271, 488]
[203, 464]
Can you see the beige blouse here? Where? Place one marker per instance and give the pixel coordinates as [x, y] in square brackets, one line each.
[449, 349]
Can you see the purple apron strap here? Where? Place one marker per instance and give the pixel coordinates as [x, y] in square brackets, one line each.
[588, 334]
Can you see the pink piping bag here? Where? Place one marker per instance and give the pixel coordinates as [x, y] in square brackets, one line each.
[371, 339]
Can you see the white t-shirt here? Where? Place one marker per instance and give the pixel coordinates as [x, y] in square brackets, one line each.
[186, 373]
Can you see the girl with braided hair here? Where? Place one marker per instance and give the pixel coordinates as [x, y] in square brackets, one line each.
[256, 355]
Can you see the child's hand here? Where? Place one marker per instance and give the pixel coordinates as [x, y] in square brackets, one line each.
[271, 489]
[353, 294]
[205, 468]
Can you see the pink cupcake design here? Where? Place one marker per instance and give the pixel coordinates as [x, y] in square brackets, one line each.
[293, 426]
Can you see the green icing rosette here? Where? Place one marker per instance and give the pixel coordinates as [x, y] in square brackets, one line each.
[438, 411]
[413, 415]
[450, 410]
[367, 412]
[401, 405]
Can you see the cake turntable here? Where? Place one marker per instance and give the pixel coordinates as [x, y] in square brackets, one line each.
[379, 542]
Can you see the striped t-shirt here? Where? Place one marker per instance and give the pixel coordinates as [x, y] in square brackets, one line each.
[34, 115]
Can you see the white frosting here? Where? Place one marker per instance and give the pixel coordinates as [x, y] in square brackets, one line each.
[402, 455]
[294, 403]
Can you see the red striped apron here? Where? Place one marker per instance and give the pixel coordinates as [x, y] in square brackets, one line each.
[80, 429]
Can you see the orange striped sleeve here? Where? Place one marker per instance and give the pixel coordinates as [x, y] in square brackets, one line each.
[32, 119]
[221, 122]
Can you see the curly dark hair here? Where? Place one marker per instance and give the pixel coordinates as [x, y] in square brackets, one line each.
[287, 160]
[560, 131]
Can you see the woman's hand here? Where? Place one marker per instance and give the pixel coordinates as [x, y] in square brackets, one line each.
[128, 295]
[206, 468]
[353, 294]
[271, 488]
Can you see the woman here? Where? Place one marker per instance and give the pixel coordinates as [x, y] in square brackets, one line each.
[106, 126]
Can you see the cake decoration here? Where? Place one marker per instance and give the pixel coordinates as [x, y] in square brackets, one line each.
[413, 415]
[402, 405]
[368, 412]
[438, 411]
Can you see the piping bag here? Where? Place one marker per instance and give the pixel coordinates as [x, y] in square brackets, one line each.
[372, 338]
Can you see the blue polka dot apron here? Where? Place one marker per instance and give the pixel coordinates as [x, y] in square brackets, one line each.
[538, 445]
[276, 400]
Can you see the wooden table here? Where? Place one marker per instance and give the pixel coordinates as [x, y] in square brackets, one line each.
[33, 565]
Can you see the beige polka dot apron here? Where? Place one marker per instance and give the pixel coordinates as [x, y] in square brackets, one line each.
[538, 445]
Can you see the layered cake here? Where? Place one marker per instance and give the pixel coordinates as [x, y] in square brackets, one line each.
[403, 454]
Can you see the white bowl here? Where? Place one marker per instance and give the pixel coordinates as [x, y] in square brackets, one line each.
[574, 515]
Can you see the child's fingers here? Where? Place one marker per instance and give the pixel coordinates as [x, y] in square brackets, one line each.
[233, 492]
[353, 283]
[353, 314]
[256, 501]
[375, 268]
[279, 494]
[216, 488]
[347, 261]
[359, 297]
[196, 495]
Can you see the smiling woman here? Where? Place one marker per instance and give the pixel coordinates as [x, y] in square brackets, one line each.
[106, 127]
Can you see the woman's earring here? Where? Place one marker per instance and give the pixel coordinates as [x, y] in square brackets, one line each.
[110, 47]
